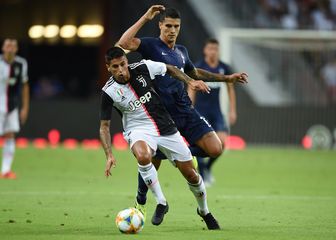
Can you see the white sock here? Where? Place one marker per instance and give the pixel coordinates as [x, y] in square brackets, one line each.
[7, 155]
[150, 177]
[200, 194]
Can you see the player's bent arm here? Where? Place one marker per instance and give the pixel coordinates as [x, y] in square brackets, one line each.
[105, 137]
[192, 84]
[207, 76]
[128, 40]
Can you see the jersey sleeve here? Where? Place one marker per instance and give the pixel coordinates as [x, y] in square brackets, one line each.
[189, 66]
[155, 68]
[145, 47]
[198, 64]
[24, 75]
[106, 106]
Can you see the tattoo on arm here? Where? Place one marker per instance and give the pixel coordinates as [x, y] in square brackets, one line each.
[105, 137]
[206, 76]
[178, 74]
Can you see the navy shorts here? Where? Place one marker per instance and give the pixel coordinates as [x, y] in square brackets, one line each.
[216, 119]
[193, 126]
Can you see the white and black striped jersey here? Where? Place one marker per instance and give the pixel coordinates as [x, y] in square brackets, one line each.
[137, 101]
[12, 76]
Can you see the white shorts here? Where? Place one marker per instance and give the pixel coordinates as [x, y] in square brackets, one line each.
[9, 122]
[173, 146]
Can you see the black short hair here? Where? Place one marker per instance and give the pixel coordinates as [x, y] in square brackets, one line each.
[169, 13]
[211, 41]
[113, 52]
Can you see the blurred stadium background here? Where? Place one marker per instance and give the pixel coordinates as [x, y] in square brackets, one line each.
[287, 46]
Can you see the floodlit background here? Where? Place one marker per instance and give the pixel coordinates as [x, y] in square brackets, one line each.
[287, 47]
[274, 187]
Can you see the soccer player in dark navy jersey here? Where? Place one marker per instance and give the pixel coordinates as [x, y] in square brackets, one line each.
[196, 130]
[208, 105]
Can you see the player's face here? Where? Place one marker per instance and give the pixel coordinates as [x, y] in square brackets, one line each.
[9, 47]
[211, 51]
[118, 67]
[169, 29]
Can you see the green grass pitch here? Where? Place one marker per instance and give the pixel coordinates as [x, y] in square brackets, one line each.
[260, 193]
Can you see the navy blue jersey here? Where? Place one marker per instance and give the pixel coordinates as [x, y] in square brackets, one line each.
[205, 101]
[172, 91]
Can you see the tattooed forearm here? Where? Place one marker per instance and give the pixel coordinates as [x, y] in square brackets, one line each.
[105, 137]
[208, 76]
[178, 74]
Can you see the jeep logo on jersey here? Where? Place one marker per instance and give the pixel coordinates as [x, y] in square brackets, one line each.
[141, 80]
[137, 103]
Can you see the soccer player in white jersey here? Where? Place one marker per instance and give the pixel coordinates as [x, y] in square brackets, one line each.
[148, 126]
[13, 89]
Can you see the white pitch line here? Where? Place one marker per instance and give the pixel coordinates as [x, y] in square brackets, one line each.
[227, 197]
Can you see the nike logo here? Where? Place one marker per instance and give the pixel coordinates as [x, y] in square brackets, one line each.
[164, 54]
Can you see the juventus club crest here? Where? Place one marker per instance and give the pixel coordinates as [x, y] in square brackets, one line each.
[141, 79]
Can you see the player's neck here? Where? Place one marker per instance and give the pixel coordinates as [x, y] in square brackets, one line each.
[169, 44]
[212, 62]
[8, 58]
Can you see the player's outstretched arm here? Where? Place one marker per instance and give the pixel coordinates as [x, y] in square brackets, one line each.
[128, 40]
[105, 138]
[207, 76]
[192, 84]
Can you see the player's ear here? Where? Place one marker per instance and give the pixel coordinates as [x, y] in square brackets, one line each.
[108, 67]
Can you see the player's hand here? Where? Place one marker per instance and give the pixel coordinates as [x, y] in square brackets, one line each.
[199, 85]
[23, 115]
[238, 77]
[111, 162]
[153, 11]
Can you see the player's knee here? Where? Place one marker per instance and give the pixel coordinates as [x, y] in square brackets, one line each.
[144, 158]
[216, 150]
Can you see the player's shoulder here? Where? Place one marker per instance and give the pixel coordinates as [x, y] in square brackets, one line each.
[108, 85]
[140, 67]
[20, 59]
[137, 64]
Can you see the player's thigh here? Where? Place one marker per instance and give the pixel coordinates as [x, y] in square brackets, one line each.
[174, 147]
[142, 145]
[11, 123]
[193, 126]
[178, 153]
